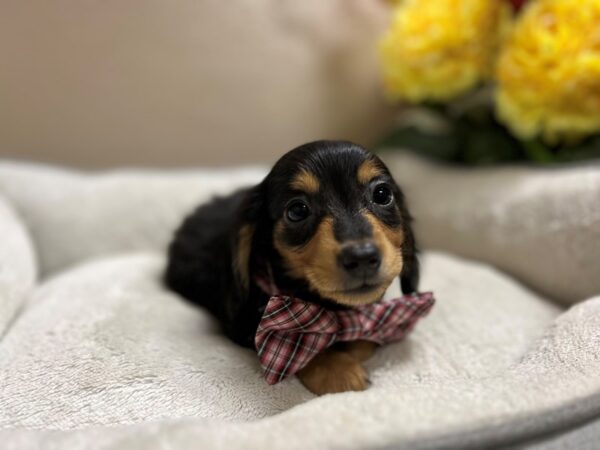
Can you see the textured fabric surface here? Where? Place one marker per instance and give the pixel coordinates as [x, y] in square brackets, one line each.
[105, 344]
[91, 385]
[540, 225]
[102, 356]
[18, 267]
[74, 216]
[584, 437]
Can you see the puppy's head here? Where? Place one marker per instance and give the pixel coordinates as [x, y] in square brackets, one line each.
[335, 219]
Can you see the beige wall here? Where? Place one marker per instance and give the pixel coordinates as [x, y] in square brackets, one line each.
[99, 83]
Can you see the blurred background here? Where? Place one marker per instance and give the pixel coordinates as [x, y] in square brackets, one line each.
[111, 83]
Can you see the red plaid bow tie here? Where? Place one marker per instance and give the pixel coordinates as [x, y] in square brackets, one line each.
[292, 332]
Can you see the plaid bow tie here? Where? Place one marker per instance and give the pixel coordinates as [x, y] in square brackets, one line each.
[292, 332]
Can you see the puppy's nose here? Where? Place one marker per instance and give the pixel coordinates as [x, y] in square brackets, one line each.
[360, 259]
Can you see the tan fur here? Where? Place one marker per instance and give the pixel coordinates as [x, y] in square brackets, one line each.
[333, 371]
[306, 182]
[242, 253]
[360, 350]
[316, 262]
[357, 299]
[367, 171]
[389, 241]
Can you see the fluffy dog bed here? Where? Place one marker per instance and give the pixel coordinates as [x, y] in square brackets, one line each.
[95, 353]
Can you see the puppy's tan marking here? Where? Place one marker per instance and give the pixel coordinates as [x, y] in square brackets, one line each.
[389, 240]
[333, 371]
[367, 171]
[356, 299]
[306, 182]
[360, 350]
[242, 253]
[315, 261]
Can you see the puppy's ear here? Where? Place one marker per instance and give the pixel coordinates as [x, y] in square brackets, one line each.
[409, 277]
[248, 217]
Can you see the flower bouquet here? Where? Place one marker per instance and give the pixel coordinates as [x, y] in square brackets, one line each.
[487, 81]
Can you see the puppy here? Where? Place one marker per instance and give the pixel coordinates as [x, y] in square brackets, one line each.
[332, 227]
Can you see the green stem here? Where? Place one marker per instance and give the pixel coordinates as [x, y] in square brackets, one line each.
[538, 152]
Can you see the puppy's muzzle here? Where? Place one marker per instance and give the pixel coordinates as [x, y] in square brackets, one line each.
[360, 260]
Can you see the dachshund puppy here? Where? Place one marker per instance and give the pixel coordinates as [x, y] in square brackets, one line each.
[331, 227]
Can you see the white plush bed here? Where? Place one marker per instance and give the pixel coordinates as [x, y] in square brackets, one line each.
[95, 353]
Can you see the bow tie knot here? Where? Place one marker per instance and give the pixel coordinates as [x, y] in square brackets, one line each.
[292, 332]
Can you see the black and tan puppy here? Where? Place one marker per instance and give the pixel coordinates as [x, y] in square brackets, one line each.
[332, 225]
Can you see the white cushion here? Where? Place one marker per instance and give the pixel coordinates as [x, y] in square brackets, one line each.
[541, 225]
[18, 266]
[74, 216]
[105, 343]
[100, 342]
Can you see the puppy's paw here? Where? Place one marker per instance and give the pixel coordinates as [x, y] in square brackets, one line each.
[332, 372]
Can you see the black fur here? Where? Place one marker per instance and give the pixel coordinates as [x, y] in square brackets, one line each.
[201, 262]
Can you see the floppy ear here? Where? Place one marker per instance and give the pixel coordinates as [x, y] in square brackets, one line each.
[244, 235]
[409, 277]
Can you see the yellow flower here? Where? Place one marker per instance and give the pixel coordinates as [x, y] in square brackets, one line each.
[439, 49]
[549, 72]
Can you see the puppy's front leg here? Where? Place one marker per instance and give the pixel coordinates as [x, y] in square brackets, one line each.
[338, 370]
[360, 350]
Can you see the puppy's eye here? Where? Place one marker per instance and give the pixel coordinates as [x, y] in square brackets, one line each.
[297, 211]
[382, 195]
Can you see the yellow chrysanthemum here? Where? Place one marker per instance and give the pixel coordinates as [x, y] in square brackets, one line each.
[549, 72]
[438, 49]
